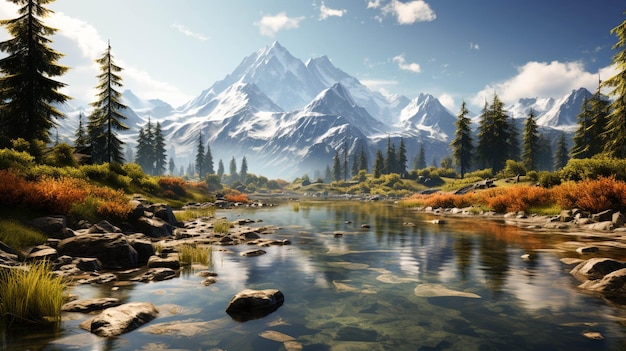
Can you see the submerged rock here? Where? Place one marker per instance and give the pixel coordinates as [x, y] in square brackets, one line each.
[436, 290]
[89, 305]
[118, 320]
[253, 304]
[596, 268]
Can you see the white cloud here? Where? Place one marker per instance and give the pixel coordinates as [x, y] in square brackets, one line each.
[326, 12]
[474, 46]
[403, 65]
[373, 4]
[186, 31]
[409, 12]
[380, 85]
[542, 79]
[447, 101]
[270, 25]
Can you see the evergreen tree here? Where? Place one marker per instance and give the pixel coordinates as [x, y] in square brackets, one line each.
[345, 161]
[106, 117]
[462, 145]
[363, 163]
[220, 169]
[391, 161]
[590, 137]
[208, 162]
[530, 142]
[27, 90]
[160, 155]
[561, 156]
[145, 155]
[233, 169]
[80, 141]
[172, 166]
[494, 136]
[355, 164]
[545, 158]
[616, 125]
[582, 137]
[243, 170]
[420, 158]
[379, 164]
[515, 150]
[200, 157]
[336, 167]
[402, 160]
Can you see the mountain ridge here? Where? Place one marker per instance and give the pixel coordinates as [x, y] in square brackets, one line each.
[289, 117]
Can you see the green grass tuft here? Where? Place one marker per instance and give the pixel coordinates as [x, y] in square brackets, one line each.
[31, 295]
[190, 254]
[221, 226]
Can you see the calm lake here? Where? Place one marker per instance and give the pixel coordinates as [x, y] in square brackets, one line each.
[461, 285]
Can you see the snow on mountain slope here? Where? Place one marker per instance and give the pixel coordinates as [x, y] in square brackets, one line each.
[426, 113]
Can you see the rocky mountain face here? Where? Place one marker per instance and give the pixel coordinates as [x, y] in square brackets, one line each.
[288, 117]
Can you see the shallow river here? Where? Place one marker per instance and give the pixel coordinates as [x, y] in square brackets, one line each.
[461, 285]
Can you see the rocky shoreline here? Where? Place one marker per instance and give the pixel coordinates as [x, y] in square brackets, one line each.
[593, 236]
[103, 253]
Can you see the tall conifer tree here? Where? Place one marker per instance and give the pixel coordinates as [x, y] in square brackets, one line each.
[616, 125]
[463, 145]
[561, 156]
[107, 117]
[200, 157]
[530, 142]
[160, 155]
[27, 90]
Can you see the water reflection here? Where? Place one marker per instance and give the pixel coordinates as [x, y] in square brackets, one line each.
[461, 285]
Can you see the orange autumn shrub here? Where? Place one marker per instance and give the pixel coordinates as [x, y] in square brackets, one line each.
[114, 210]
[514, 199]
[243, 198]
[593, 195]
[55, 195]
[173, 184]
[448, 200]
[12, 188]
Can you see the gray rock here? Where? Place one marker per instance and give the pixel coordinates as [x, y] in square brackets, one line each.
[87, 264]
[587, 249]
[601, 226]
[113, 250]
[118, 320]
[253, 304]
[156, 274]
[566, 216]
[103, 227]
[596, 268]
[603, 216]
[89, 305]
[169, 261]
[618, 219]
[164, 212]
[154, 227]
[142, 245]
[253, 253]
[51, 226]
[612, 284]
[42, 253]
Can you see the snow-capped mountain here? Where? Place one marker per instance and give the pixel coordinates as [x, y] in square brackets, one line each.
[289, 117]
[553, 113]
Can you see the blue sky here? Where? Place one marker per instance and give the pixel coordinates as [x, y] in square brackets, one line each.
[453, 49]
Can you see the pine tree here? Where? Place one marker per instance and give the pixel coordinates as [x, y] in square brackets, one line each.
[208, 160]
[160, 155]
[561, 156]
[379, 164]
[243, 170]
[80, 141]
[233, 170]
[420, 158]
[106, 116]
[391, 161]
[494, 136]
[616, 125]
[146, 146]
[172, 166]
[590, 137]
[530, 142]
[462, 145]
[345, 161]
[220, 169]
[200, 157]
[27, 90]
[336, 167]
[515, 150]
[402, 160]
[545, 157]
[363, 163]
